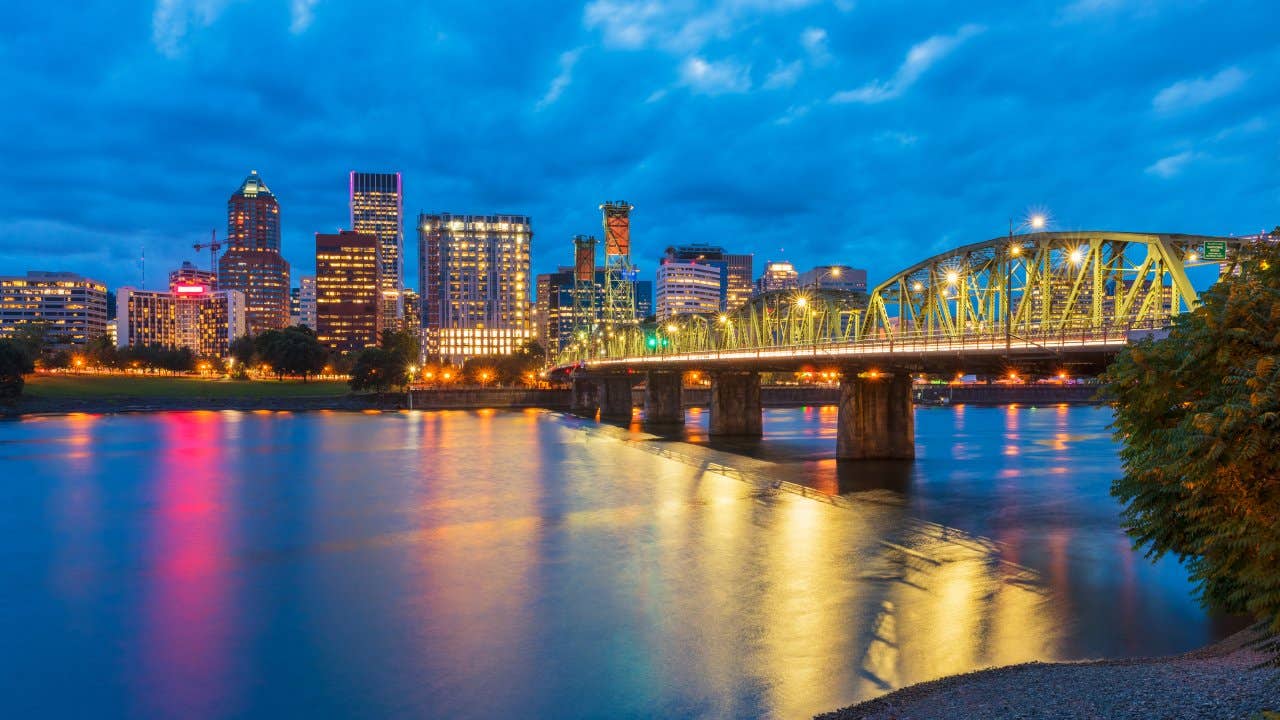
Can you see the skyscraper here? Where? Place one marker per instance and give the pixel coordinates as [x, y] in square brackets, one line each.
[302, 302]
[348, 294]
[739, 269]
[689, 287]
[474, 280]
[252, 263]
[377, 207]
[780, 275]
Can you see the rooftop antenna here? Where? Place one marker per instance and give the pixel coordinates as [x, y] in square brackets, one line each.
[142, 268]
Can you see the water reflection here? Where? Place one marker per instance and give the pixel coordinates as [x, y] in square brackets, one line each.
[481, 564]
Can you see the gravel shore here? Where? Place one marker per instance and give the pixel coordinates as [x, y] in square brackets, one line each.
[1221, 681]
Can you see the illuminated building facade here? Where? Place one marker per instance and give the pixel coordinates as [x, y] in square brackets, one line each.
[189, 316]
[778, 276]
[71, 308]
[475, 283]
[302, 302]
[835, 277]
[690, 287]
[252, 263]
[739, 271]
[377, 207]
[189, 274]
[412, 311]
[348, 290]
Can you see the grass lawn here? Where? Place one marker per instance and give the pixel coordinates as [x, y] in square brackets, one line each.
[140, 386]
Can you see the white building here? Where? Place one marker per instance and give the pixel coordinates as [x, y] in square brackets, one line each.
[688, 287]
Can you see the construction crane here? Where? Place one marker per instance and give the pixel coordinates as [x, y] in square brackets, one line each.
[214, 246]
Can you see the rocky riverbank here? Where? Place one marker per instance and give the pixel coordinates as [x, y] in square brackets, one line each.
[1220, 681]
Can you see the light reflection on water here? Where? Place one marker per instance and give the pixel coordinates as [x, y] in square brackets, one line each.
[478, 564]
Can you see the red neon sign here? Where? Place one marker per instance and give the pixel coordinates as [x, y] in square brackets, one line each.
[189, 289]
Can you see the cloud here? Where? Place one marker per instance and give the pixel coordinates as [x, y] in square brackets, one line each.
[784, 75]
[1172, 165]
[814, 40]
[1081, 10]
[301, 13]
[676, 26]
[715, 77]
[1187, 94]
[567, 61]
[919, 59]
[172, 18]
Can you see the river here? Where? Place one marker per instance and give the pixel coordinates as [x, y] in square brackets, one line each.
[462, 564]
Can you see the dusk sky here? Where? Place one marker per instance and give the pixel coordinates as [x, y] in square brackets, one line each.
[853, 131]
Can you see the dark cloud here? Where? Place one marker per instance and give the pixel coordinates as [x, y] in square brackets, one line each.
[130, 126]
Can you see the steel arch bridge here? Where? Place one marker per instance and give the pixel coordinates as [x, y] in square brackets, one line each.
[1016, 291]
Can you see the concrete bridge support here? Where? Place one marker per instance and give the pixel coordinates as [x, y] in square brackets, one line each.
[615, 397]
[663, 404]
[735, 403]
[584, 397]
[877, 419]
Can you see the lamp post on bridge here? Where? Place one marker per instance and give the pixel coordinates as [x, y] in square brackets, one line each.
[1037, 221]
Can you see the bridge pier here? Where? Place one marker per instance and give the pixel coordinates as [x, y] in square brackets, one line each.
[735, 403]
[615, 397]
[877, 419]
[584, 397]
[662, 398]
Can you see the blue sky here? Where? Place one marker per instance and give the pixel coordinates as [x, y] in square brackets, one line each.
[861, 132]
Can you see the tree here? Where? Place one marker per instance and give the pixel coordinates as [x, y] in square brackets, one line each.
[292, 351]
[1199, 416]
[16, 361]
[404, 343]
[101, 352]
[378, 369]
[242, 350]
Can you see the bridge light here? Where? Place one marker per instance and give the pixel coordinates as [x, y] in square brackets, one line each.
[918, 287]
[671, 328]
[723, 319]
[1015, 250]
[1076, 256]
[1037, 221]
[953, 277]
[1191, 256]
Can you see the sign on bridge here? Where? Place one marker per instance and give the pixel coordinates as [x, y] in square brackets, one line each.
[1214, 250]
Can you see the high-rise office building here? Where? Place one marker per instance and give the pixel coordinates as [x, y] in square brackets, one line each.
[377, 207]
[302, 302]
[740, 270]
[252, 263]
[71, 308]
[780, 275]
[475, 283]
[412, 311]
[835, 277]
[348, 289]
[188, 316]
[689, 287]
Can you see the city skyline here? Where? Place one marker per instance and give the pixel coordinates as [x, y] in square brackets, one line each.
[810, 132]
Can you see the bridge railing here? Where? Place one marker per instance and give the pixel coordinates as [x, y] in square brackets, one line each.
[829, 348]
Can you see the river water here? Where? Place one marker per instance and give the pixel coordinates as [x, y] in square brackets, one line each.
[528, 564]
